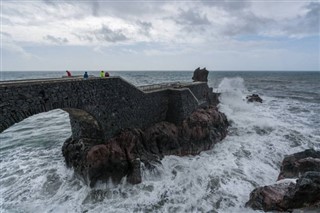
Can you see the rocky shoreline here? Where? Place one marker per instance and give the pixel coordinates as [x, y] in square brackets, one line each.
[298, 185]
[123, 155]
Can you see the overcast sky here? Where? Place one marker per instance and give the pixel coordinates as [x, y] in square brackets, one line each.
[160, 35]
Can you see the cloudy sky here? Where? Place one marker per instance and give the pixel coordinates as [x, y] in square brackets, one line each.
[160, 35]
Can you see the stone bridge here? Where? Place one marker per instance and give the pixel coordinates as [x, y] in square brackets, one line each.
[101, 107]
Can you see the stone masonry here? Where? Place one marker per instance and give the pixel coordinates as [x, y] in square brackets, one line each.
[100, 107]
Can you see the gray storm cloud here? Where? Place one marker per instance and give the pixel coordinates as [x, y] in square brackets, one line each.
[227, 5]
[192, 17]
[308, 24]
[56, 40]
[145, 27]
[247, 23]
[106, 34]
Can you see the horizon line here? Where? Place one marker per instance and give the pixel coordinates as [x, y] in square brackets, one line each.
[160, 70]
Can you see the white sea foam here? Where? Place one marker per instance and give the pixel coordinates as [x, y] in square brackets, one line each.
[34, 178]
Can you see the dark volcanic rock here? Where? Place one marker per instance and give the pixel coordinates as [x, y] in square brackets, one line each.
[162, 139]
[304, 193]
[254, 98]
[299, 163]
[269, 198]
[123, 154]
[200, 75]
[287, 196]
[201, 130]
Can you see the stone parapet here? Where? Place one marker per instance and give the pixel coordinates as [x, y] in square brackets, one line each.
[99, 107]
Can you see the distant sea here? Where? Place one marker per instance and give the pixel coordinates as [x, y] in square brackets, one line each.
[34, 178]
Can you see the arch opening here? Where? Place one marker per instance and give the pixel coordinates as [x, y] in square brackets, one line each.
[83, 124]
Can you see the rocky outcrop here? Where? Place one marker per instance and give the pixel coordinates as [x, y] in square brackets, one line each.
[305, 192]
[254, 98]
[122, 155]
[299, 163]
[269, 198]
[200, 75]
[287, 196]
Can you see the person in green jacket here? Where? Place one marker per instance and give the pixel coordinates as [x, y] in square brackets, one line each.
[101, 74]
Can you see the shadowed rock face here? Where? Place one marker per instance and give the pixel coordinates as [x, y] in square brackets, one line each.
[285, 196]
[200, 75]
[269, 198]
[299, 163]
[305, 193]
[122, 155]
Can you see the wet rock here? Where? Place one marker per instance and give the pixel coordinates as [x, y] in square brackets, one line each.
[304, 193]
[254, 98]
[117, 158]
[299, 163]
[162, 139]
[200, 75]
[269, 198]
[287, 196]
[122, 155]
[201, 130]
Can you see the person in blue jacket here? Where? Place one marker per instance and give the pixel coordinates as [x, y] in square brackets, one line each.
[85, 76]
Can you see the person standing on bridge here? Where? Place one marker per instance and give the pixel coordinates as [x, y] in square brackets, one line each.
[85, 76]
[68, 73]
[102, 74]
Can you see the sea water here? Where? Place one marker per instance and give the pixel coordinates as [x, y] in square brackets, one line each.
[34, 178]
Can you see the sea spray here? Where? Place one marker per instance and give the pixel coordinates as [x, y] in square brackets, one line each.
[218, 180]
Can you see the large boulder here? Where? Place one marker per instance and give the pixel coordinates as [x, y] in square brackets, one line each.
[299, 163]
[287, 196]
[305, 192]
[122, 155]
[269, 198]
[200, 75]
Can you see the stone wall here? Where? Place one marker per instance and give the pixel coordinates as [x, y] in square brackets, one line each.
[98, 107]
[182, 103]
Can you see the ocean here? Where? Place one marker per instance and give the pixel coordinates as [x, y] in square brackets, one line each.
[34, 178]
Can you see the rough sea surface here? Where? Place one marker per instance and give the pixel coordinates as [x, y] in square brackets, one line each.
[34, 178]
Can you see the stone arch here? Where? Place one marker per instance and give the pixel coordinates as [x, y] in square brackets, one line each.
[84, 124]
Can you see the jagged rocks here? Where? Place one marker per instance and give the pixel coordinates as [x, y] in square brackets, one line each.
[122, 155]
[305, 192]
[299, 163]
[287, 196]
[254, 98]
[269, 198]
[200, 75]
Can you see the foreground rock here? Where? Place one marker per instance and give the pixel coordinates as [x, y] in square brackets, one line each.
[299, 163]
[254, 98]
[122, 155]
[200, 75]
[269, 198]
[305, 192]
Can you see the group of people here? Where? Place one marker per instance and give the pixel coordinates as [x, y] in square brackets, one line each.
[104, 74]
[86, 76]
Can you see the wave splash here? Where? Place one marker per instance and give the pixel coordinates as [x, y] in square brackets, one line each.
[219, 180]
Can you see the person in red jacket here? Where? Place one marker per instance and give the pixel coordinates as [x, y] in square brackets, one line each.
[68, 73]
